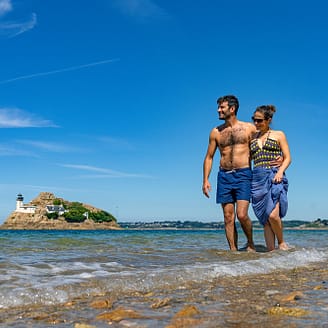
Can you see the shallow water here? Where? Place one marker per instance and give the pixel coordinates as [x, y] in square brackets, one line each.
[50, 268]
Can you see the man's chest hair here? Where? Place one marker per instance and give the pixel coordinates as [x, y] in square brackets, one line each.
[230, 136]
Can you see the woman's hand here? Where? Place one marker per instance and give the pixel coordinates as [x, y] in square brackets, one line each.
[278, 177]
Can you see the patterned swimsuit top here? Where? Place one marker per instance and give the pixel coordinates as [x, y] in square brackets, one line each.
[269, 151]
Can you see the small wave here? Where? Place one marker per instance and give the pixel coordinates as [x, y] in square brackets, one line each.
[95, 278]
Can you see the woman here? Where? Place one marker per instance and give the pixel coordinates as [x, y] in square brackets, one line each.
[269, 184]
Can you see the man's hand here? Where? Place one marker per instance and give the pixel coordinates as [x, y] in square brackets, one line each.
[206, 189]
[277, 162]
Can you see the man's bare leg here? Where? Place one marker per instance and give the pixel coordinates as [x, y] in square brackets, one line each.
[246, 223]
[230, 225]
[276, 226]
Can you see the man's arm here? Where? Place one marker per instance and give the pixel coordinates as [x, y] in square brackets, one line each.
[208, 161]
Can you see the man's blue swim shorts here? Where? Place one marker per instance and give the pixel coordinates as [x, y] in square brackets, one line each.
[233, 185]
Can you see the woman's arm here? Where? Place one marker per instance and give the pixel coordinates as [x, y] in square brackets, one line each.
[282, 140]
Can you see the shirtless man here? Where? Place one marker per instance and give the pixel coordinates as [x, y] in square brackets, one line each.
[234, 177]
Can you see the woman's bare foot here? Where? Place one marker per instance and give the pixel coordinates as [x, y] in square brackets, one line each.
[251, 248]
[283, 246]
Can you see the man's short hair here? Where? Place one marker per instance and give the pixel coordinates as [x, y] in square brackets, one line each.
[231, 100]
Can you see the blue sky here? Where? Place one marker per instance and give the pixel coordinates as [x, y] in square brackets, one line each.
[111, 102]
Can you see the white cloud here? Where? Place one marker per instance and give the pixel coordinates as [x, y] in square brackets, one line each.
[12, 29]
[5, 7]
[104, 173]
[16, 118]
[140, 8]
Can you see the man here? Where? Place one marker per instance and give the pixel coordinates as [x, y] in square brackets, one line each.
[234, 177]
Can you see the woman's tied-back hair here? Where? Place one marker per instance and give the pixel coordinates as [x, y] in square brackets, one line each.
[266, 110]
[232, 101]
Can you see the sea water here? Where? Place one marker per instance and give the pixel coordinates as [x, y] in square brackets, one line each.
[41, 268]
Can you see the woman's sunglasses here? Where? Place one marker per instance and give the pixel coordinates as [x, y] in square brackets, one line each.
[257, 120]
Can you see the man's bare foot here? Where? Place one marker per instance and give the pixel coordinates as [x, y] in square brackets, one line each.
[283, 246]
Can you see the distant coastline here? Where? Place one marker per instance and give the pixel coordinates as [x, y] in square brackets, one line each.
[318, 224]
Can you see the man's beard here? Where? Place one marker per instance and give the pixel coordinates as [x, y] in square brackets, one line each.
[223, 117]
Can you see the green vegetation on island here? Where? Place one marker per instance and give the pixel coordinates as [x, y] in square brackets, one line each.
[76, 212]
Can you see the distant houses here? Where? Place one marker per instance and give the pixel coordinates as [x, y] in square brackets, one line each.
[59, 209]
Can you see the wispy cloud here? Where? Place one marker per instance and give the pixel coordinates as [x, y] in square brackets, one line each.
[21, 187]
[116, 142]
[13, 28]
[5, 7]
[140, 9]
[17, 118]
[10, 151]
[48, 146]
[103, 172]
[62, 70]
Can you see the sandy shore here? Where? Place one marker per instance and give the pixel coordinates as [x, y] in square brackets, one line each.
[293, 298]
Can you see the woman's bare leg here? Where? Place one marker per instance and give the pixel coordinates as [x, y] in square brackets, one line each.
[269, 237]
[277, 227]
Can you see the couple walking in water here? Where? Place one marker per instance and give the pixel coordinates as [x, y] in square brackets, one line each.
[253, 161]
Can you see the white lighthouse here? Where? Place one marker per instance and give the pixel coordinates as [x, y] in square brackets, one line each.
[21, 208]
[19, 202]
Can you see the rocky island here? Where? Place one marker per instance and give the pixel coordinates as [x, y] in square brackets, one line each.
[48, 212]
